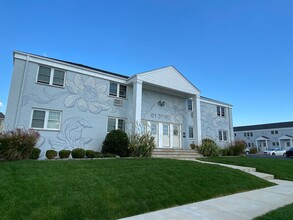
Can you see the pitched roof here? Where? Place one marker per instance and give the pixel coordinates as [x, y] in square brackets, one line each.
[2, 115]
[78, 64]
[288, 124]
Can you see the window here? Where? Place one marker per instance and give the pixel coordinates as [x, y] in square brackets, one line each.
[46, 119]
[244, 134]
[251, 134]
[221, 111]
[165, 130]
[51, 76]
[190, 132]
[117, 90]
[235, 134]
[175, 130]
[274, 144]
[274, 132]
[189, 105]
[222, 135]
[115, 123]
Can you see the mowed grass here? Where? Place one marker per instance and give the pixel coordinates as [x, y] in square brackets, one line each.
[280, 168]
[283, 213]
[111, 188]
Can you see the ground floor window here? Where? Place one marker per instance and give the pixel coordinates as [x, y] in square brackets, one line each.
[222, 135]
[46, 119]
[190, 132]
[115, 123]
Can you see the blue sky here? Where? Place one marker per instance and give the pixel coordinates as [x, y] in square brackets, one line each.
[236, 51]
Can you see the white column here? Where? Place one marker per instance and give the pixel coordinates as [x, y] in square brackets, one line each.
[137, 99]
[197, 119]
[231, 125]
[291, 143]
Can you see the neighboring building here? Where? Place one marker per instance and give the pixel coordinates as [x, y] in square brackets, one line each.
[266, 136]
[2, 117]
[73, 105]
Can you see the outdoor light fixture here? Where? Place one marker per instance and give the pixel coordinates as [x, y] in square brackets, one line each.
[161, 103]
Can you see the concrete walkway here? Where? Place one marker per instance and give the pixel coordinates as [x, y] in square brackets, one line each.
[246, 205]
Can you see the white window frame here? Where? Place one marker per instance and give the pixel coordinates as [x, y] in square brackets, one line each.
[223, 135]
[221, 111]
[189, 136]
[116, 123]
[190, 101]
[118, 90]
[52, 73]
[46, 119]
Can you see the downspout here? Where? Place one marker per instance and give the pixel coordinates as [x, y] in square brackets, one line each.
[21, 91]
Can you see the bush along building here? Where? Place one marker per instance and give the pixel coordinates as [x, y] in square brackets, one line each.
[73, 105]
[265, 136]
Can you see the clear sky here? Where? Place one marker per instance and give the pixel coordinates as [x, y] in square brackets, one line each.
[236, 51]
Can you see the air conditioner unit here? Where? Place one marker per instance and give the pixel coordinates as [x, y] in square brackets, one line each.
[118, 102]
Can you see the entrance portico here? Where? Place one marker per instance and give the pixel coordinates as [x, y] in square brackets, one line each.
[160, 103]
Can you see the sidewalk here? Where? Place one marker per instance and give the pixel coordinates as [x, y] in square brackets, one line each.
[246, 205]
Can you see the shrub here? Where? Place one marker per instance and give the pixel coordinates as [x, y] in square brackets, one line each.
[192, 146]
[226, 152]
[98, 155]
[90, 154]
[208, 148]
[64, 153]
[238, 148]
[35, 153]
[18, 144]
[78, 153]
[51, 154]
[253, 150]
[116, 142]
[109, 155]
[141, 145]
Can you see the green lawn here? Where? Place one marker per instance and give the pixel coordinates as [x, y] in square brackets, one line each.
[111, 188]
[281, 169]
[284, 213]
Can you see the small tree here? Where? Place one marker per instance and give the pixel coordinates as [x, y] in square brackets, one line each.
[116, 142]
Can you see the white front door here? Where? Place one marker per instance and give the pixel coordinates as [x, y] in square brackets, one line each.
[176, 136]
[154, 132]
[166, 135]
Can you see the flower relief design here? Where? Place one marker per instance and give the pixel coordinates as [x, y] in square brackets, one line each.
[87, 95]
[71, 135]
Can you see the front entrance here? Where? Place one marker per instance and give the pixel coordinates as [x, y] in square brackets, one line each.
[166, 135]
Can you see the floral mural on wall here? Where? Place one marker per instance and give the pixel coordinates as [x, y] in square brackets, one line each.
[71, 135]
[87, 95]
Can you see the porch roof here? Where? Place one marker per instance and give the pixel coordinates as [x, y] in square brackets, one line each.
[286, 137]
[262, 138]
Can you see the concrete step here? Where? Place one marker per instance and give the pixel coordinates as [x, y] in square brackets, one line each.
[175, 153]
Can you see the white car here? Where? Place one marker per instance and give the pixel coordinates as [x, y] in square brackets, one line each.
[275, 152]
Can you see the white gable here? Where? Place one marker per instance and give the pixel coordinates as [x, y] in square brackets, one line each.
[170, 78]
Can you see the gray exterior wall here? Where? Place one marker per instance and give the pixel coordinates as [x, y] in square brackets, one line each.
[273, 139]
[86, 106]
[211, 124]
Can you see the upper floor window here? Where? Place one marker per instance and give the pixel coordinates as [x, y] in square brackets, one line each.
[51, 76]
[221, 111]
[189, 104]
[46, 119]
[115, 123]
[222, 135]
[117, 90]
[274, 132]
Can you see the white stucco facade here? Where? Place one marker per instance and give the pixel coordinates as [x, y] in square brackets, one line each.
[73, 105]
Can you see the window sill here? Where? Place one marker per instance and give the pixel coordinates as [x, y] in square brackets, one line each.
[44, 84]
[45, 129]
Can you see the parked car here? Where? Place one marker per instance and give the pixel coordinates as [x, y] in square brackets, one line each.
[289, 153]
[275, 152]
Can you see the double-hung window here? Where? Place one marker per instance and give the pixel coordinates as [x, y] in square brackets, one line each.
[223, 135]
[117, 90]
[46, 119]
[189, 104]
[51, 76]
[221, 111]
[115, 123]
